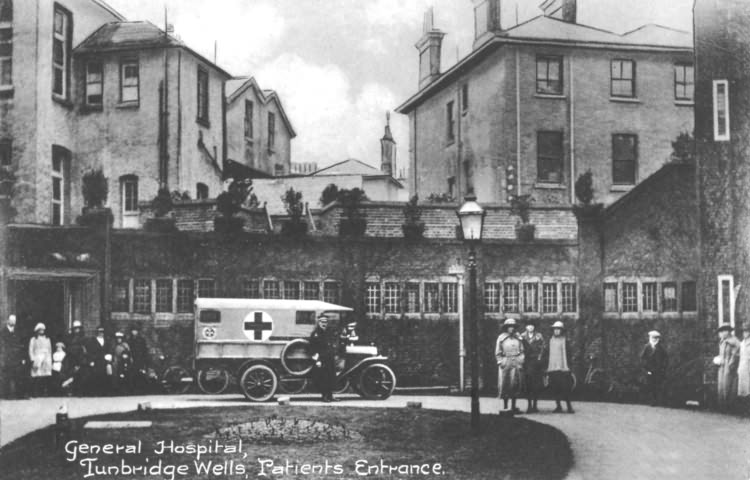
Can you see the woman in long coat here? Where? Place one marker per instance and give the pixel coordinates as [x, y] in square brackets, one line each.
[510, 356]
[727, 360]
[40, 354]
[743, 370]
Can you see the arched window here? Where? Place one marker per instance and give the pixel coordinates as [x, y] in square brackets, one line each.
[201, 191]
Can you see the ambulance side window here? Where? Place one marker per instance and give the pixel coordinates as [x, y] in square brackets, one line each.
[305, 318]
[210, 316]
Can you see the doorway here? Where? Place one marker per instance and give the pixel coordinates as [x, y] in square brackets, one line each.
[40, 301]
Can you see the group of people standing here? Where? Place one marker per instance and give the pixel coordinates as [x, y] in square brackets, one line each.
[523, 360]
[733, 360]
[78, 364]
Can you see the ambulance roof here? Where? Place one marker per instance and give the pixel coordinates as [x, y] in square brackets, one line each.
[269, 304]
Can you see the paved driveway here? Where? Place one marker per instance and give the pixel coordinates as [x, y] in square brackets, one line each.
[611, 442]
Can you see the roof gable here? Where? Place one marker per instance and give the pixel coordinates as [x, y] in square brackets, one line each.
[237, 86]
[350, 166]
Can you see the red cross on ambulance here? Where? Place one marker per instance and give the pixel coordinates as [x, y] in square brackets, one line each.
[258, 326]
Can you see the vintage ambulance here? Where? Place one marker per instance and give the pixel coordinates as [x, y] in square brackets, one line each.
[262, 345]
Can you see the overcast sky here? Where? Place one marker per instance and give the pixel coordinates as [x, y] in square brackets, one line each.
[339, 65]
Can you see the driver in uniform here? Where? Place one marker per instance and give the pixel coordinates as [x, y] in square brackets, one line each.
[323, 345]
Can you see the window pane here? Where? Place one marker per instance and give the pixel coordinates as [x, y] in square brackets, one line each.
[492, 297]
[6, 71]
[624, 156]
[412, 298]
[549, 298]
[58, 52]
[630, 297]
[569, 298]
[649, 297]
[57, 189]
[185, 296]
[271, 289]
[373, 297]
[450, 298]
[291, 290]
[142, 296]
[510, 298]
[312, 291]
[121, 296]
[6, 10]
[331, 292]
[549, 75]
[530, 297]
[689, 299]
[206, 288]
[610, 297]
[250, 289]
[549, 157]
[431, 297]
[391, 297]
[669, 297]
[164, 295]
[59, 21]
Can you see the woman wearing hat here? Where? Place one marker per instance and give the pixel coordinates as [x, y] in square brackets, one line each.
[40, 354]
[743, 370]
[510, 356]
[558, 370]
[727, 360]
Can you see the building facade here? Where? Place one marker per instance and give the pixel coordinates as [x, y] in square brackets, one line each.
[259, 133]
[534, 106]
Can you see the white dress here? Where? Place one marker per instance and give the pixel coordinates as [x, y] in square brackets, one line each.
[743, 371]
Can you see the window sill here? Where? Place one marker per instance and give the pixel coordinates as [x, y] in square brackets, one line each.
[449, 143]
[550, 186]
[6, 92]
[621, 188]
[550, 96]
[249, 140]
[464, 113]
[684, 103]
[624, 100]
[203, 122]
[62, 101]
[128, 105]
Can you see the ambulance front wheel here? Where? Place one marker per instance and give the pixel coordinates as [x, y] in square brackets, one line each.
[259, 383]
[213, 381]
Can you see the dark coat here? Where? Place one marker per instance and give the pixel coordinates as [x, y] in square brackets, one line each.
[139, 351]
[11, 349]
[655, 360]
[324, 343]
[95, 354]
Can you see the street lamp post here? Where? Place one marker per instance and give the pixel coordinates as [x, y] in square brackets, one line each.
[471, 216]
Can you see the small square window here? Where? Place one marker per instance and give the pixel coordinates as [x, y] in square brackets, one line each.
[331, 292]
[411, 297]
[373, 297]
[492, 297]
[291, 290]
[648, 297]
[549, 298]
[450, 298]
[250, 288]
[206, 288]
[185, 296]
[629, 297]
[669, 297]
[164, 296]
[142, 296]
[623, 78]
[271, 289]
[549, 75]
[391, 297]
[311, 291]
[530, 297]
[510, 298]
[569, 298]
[431, 297]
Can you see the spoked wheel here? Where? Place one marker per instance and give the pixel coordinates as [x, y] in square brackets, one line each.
[259, 383]
[342, 385]
[377, 382]
[176, 380]
[291, 385]
[213, 381]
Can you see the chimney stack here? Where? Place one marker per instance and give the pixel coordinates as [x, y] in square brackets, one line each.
[486, 19]
[565, 10]
[387, 149]
[429, 47]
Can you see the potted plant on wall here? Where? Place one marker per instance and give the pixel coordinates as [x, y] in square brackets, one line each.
[353, 222]
[229, 203]
[520, 205]
[95, 189]
[296, 226]
[584, 188]
[162, 206]
[413, 226]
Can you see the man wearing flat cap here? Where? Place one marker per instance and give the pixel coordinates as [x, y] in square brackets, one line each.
[727, 361]
[654, 360]
[323, 345]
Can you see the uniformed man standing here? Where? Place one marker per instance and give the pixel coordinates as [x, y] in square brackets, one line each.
[323, 348]
[11, 360]
[654, 360]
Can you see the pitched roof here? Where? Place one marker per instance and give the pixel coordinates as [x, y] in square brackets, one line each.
[117, 36]
[238, 85]
[351, 166]
[542, 30]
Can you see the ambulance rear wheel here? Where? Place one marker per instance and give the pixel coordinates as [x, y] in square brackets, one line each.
[259, 383]
[292, 385]
[213, 381]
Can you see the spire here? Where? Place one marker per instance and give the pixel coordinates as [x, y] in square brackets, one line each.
[387, 149]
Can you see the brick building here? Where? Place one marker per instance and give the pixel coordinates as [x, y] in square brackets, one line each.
[534, 106]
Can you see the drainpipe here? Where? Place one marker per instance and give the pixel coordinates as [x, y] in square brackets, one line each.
[461, 342]
[572, 104]
[518, 122]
